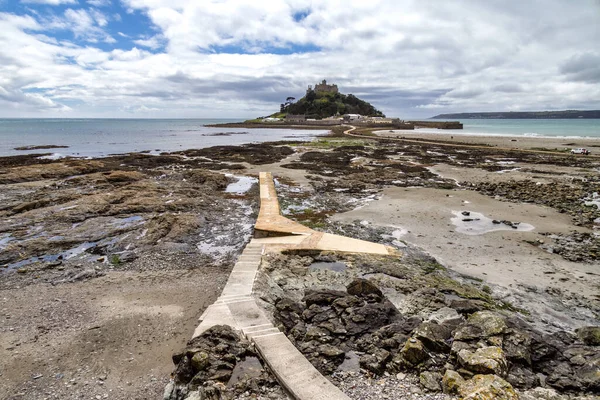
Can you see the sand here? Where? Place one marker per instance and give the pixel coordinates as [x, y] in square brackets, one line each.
[516, 142]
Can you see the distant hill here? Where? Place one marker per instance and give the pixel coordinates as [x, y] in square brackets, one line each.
[325, 101]
[567, 114]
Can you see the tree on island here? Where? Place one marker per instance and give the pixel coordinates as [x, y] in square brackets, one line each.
[327, 104]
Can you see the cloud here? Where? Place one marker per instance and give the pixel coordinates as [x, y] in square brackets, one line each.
[153, 43]
[239, 58]
[582, 67]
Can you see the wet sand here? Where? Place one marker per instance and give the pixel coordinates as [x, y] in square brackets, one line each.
[516, 142]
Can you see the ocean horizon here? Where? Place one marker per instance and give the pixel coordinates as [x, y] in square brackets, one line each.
[100, 137]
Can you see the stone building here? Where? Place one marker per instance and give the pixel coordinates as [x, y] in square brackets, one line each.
[295, 118]
[323, 87]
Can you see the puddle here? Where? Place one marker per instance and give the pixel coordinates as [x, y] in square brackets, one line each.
[593, 201]
[4, 240]
[250, 367]
[243, 184]
[504, 171]
[65, 255]
[396, 236]
[351, 363]
[127, 222]
[477, 224]
[327, 266]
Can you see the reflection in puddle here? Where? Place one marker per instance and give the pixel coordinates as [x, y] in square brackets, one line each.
[65, 255]
[477, 224]
[351, 363]
[249, 368]
[127, 222]
[4, 239]
[328, 266]
[243, 184]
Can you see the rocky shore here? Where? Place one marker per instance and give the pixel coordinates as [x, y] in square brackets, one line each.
[105, 262]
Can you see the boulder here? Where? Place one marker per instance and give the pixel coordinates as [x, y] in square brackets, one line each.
[375, 362]
[589, 335]
[486, 360]
[363, 287]
[451, 382]
[446, 316]
[522, 377]
[517, 347]
[487, 387]
[467, 306]
[435, 337]
[431, 381]
[321, 296]
[481, 324]
[413, 352]
[542, 394]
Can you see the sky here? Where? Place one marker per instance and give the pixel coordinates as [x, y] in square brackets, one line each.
[242, 58]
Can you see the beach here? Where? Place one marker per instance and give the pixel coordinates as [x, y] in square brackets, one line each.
[108, 262]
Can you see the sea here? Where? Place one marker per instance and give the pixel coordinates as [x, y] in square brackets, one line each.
[573, 128]
[102, 137]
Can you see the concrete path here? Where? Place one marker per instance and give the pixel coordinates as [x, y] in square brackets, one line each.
[237, 307]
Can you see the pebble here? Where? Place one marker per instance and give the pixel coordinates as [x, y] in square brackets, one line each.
[360, 386]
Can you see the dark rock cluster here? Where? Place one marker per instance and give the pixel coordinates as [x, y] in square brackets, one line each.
[219, 365]
[328, 326]
[570, 199]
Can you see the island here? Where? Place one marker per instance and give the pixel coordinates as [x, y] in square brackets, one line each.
[324, 105]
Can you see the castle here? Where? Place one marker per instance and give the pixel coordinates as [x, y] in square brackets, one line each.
[323, 87]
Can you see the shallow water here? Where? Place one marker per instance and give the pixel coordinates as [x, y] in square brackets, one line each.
[101, 137]
[478, 224]
[242, 185]
[522, 127]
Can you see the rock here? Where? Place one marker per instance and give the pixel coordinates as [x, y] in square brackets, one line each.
[195, 395]
[431, 381]
[446, 316]
[481, 324]
[363, 287]
[589, 335]
[486, 360]
[487, 387]
[330, 351]
[435, 337]
[522, 378]
[375, 362]
[200, 361]
[322, 296]
[169, 390]
[466, 213]
[541, 394]
[451, 382]
[414, 352]
[467, 306]
[517, 347]
[124, 176]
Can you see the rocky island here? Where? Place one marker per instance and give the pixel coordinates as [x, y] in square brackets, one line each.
[325, 105]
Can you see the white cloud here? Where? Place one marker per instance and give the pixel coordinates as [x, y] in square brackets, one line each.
[408, 58]
[153, 43]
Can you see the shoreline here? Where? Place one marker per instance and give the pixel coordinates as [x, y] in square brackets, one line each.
[174, 213]
[551, 143]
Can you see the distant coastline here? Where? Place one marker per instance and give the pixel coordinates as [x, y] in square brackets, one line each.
[566, 114]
